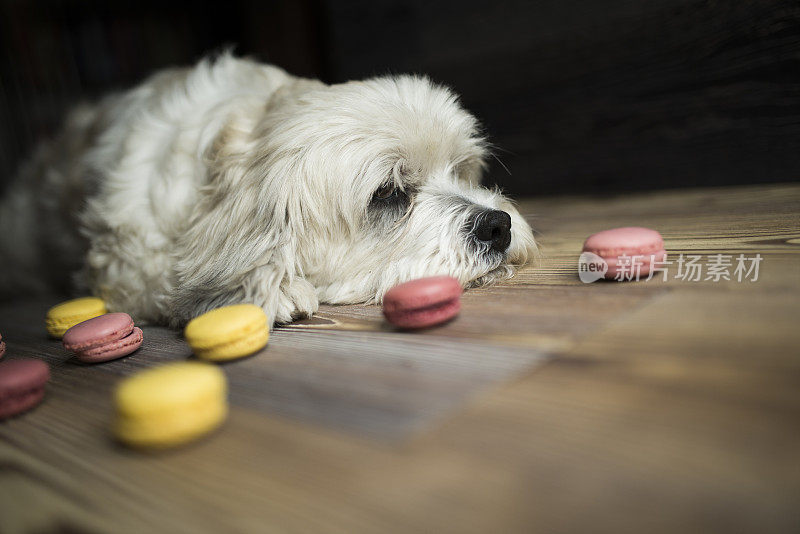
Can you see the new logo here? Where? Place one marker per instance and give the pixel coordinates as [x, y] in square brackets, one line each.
[591, 267]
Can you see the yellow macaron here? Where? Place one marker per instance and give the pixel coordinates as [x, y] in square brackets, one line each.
[64, 316]
[170, 405]
[228, 332]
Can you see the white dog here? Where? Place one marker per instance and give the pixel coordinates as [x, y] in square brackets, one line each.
[233, 181]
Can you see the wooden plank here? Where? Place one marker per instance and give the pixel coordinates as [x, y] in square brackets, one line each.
[663, 407]
[386, 384]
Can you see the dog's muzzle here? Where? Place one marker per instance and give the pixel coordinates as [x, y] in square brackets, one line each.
[493, 228]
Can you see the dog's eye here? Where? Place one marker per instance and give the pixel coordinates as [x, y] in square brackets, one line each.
[386, 191]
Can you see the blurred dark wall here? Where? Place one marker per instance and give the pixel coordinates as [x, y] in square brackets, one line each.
[579, 96]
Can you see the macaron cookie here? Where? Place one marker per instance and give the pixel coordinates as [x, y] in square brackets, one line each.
[423, 302]
[2, 346]
[103, 338]
[64, 316]
[22, 384]
[170, 405]
[628, 241]
[228, 332]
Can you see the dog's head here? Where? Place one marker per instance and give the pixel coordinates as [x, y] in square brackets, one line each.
[360, 186]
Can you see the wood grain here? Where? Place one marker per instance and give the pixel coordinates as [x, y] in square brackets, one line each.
[662, 406]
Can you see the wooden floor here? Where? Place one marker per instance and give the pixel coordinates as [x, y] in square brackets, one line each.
[549, 405]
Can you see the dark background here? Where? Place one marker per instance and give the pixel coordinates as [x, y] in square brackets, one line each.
[579, 96]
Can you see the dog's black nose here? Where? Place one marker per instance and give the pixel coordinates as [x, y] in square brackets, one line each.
[494, 228]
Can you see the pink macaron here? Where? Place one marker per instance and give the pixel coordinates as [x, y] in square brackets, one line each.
[22, 384]
[627, 250]
[103, 338]
[423, 302]
[2, 346]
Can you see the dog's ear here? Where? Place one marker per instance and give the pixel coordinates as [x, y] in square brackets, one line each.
[238, 246]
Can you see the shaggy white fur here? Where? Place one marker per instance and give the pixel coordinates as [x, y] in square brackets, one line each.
[233, 181]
